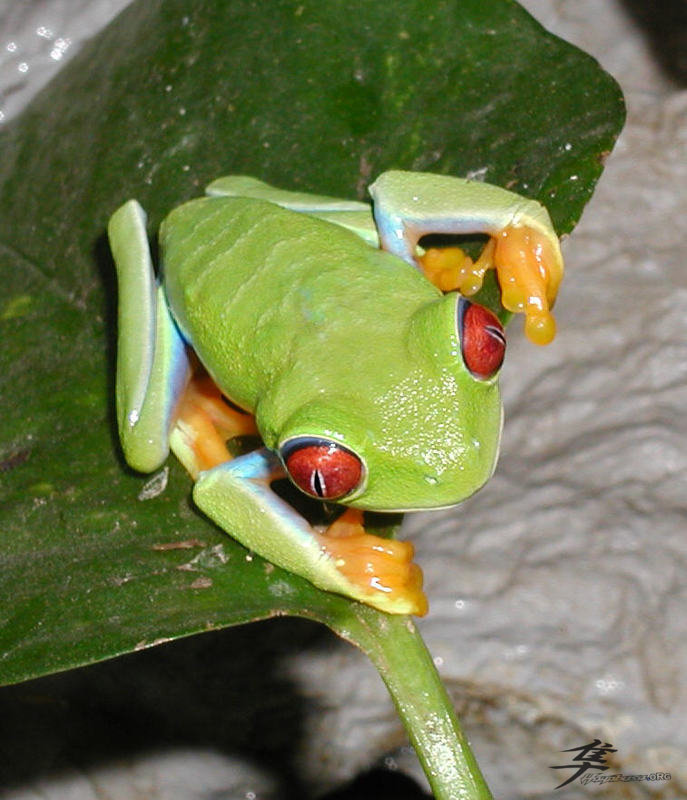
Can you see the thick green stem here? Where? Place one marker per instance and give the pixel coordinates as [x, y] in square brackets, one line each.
[396, 648]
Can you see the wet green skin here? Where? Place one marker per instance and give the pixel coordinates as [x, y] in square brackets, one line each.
[304, 324]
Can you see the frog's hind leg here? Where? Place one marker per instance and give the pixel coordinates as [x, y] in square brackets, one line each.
[152, 365]
[351, 214]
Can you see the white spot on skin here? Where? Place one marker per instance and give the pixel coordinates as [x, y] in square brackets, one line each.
[11, 47]
[23, 67]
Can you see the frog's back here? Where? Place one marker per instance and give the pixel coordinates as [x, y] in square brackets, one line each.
[254, 287]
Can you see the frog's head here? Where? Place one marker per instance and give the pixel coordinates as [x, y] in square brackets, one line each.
[423, 429]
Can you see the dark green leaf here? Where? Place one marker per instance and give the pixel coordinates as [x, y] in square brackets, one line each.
[172, 95]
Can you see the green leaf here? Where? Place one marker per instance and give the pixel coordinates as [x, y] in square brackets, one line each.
[305, 95]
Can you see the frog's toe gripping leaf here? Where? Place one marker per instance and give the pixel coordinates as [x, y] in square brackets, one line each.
[152, 365]
[237, 496]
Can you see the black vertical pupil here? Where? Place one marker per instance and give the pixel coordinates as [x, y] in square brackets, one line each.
[318, 483]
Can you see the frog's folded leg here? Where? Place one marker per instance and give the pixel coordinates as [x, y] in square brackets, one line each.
[152, 364]
[351, 214]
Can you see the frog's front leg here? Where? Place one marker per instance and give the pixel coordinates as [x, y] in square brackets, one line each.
[524, 247]
[237, 495]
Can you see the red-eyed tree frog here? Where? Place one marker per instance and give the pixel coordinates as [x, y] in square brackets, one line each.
[327, 329]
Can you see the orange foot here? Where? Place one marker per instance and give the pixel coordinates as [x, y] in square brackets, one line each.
[374, 564]
[529, 268]
[203, 425]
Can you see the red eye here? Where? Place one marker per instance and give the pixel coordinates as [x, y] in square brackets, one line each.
[321, 468]
[483, 340]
